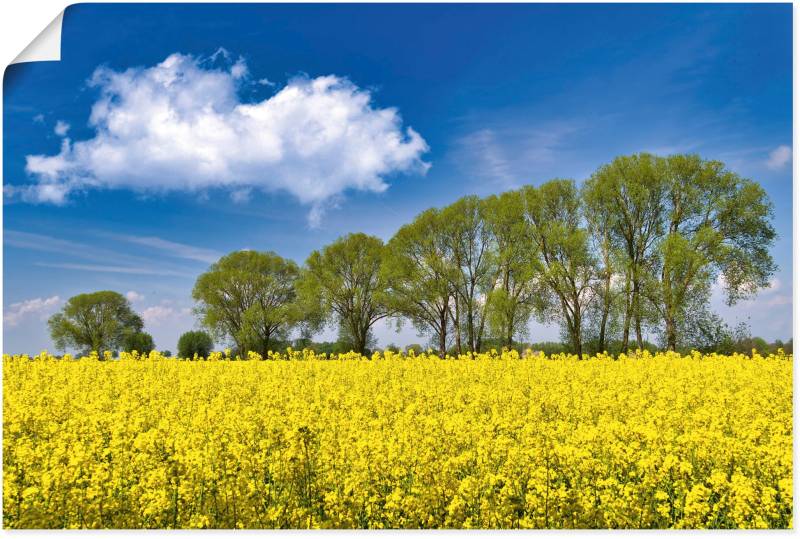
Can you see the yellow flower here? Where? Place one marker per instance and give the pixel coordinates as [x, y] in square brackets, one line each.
[495, 440]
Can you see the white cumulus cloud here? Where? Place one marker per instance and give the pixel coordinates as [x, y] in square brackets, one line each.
[779, 157]
[181, 125]
[42, 307]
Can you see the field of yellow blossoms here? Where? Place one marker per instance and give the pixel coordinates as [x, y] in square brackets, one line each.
[396, 441]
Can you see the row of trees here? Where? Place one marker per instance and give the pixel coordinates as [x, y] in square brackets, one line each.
[637, 248]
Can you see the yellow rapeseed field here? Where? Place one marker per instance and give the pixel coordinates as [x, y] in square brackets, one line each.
[396, 441]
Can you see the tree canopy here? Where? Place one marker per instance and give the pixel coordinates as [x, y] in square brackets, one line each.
[97, 321]
[343, 283]
[249, 298]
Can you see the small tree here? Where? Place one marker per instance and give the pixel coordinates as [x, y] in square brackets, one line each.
[139, 341]
[94, 322]
[195, 342]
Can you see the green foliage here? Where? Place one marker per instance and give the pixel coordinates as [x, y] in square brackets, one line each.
[139, 341]
[567, 264]
[469, 244]
[344, 284]
[630, 190]
[549, 348]
[96, 321]
[517, 291]
[195, 342]
[679, 222]
[419, 276]
[715, 223]
[635, 251]
[249, 297]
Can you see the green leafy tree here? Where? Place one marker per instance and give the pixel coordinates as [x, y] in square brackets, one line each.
[418, 274]
[516, 293]
[603, 320]
[716, 223]
[139, 341]
[568, 267]
[344, 283]
[97, 322]
[630, 190]
[249, 297]
[195, 342]
[470, 245]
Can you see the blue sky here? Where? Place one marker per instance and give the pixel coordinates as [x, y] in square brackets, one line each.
[107, 188]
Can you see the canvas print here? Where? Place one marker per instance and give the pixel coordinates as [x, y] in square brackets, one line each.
[392, 266]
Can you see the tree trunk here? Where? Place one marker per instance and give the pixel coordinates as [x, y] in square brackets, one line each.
[576, 322]
[672, 335]
[479, 338]
[626, 321]
[471, 329]
[443, 333]
[601, 340]
[362, 343]
[637, 312]
[458, 326]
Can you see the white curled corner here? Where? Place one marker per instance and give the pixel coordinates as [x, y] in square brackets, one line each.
[46, 47]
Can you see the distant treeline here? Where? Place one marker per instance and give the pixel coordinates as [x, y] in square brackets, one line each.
[635, 251]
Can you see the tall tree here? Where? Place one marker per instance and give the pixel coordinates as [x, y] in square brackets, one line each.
[98, 321]
[515, 297]
[554, 212]
[418, 274]
[716, 223]
[631, 190]
[249, 297]
[605, 287]
[344, 282]
[469, 242]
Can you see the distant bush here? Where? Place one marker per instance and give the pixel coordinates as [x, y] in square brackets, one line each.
[138, 340]
[549, 348]
[195, 342]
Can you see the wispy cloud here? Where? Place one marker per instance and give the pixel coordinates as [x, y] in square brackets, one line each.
[489, 156]
[40, 242]
[171, 248]
[155, 270]
[506, 155]
[134, 296]
[42, 307]
[110, 260]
